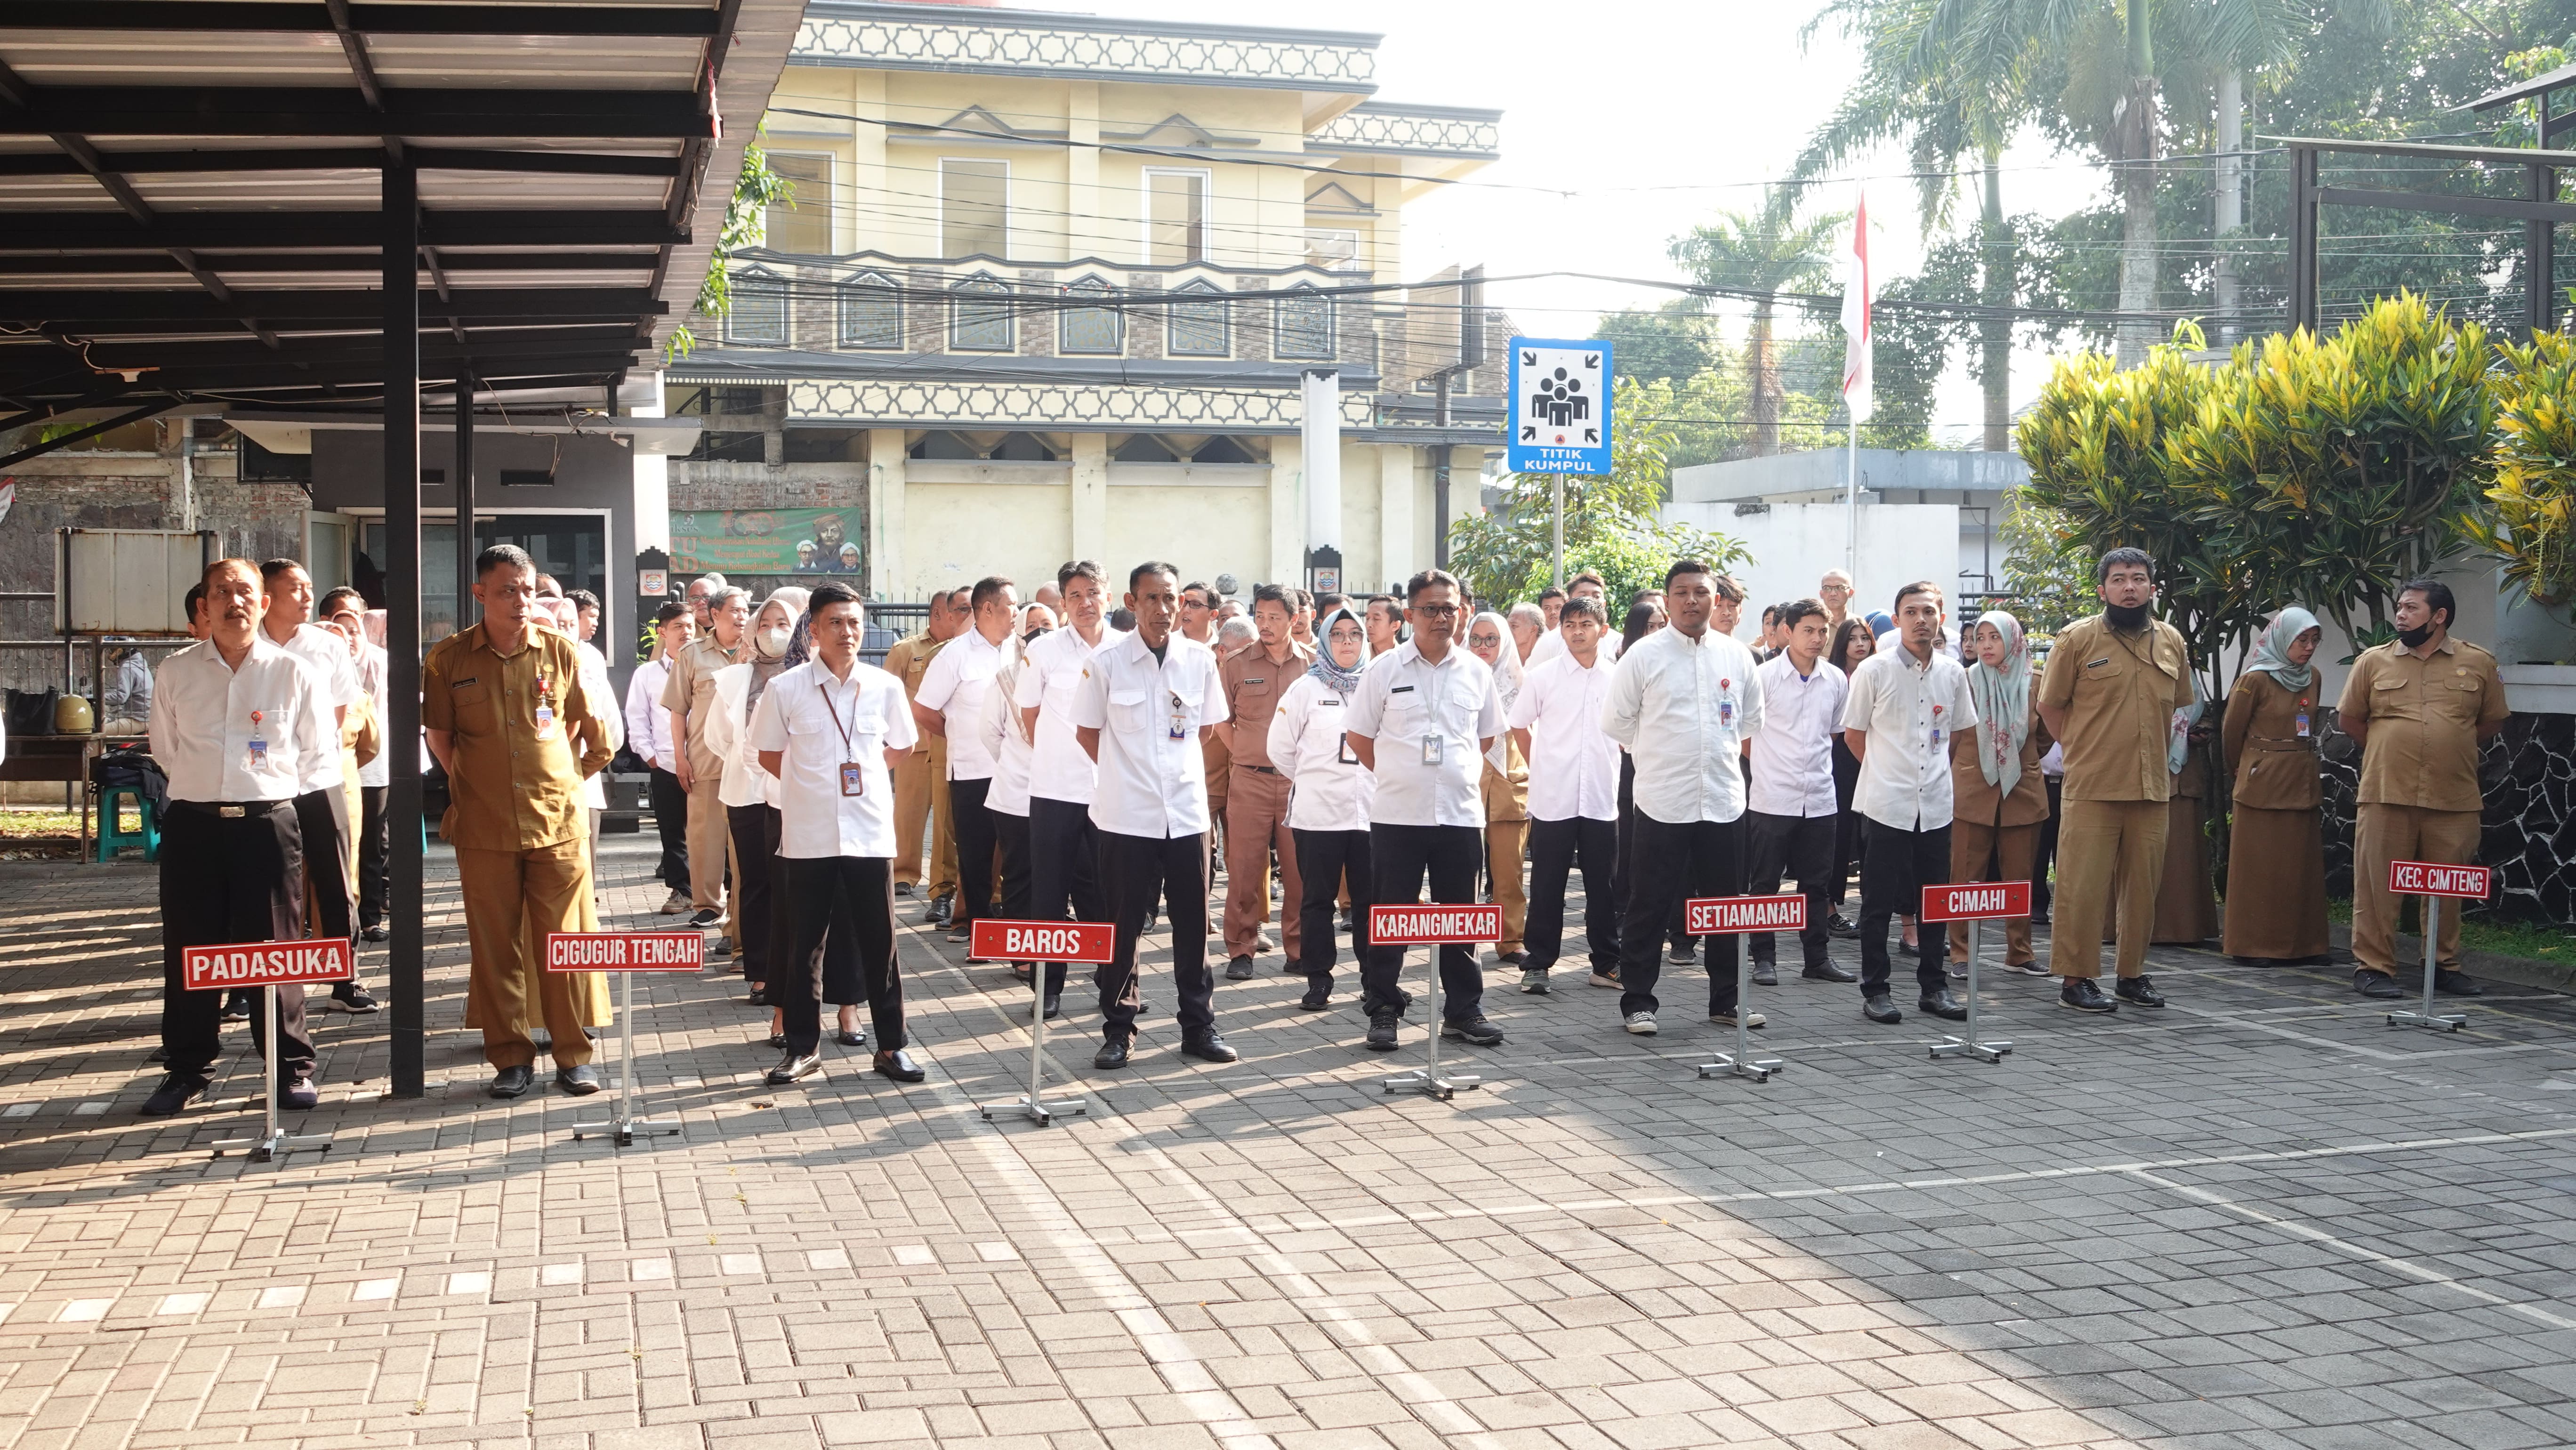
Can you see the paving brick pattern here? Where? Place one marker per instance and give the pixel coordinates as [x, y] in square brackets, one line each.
[2261, 1218]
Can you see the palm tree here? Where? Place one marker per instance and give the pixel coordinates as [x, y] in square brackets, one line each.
[1763, 253]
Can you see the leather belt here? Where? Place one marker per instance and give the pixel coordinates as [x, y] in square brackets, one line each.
[231, 810]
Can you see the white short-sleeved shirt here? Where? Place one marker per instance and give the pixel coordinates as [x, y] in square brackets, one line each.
[648, 725]
[954, 685]
[1551, 646]
[1683, 707]
[1910, 709]
[335, 676]
[1329, 790]
[1014, 753]
[205, 714]
[1403, 700]
[804, 713]
[1793, 752]
[1054, 671]
[1153, 772]
[1573, 767]
[374, 668]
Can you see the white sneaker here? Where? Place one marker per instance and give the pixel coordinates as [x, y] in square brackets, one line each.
[1641, 1024]
[1724, 1019]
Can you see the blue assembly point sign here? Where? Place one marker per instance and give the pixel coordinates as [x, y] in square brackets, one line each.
[1560, 413]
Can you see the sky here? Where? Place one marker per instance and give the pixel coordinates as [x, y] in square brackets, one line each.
[1624, 126]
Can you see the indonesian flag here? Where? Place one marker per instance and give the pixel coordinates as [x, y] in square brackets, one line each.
[1857, 392]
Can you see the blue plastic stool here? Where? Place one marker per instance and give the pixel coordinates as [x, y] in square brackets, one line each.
[111, 839]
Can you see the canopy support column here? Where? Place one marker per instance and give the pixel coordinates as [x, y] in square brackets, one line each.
[402, 623]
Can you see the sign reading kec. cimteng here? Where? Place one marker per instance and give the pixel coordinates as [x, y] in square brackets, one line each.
[263, 964]
[2437, 878]
[625, 951]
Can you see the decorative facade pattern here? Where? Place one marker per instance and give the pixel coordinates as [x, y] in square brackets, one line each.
[900, 37]
[1412, 131]
[891, 402]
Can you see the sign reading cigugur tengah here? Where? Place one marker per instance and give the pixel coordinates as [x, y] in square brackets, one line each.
[1559, 420]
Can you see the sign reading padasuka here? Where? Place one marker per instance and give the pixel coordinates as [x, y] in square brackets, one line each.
[263, 964]
[625, 951]
[2433, 878]
[1727, 915]
[1044, 941]
[1976, 901]
[1413, 926]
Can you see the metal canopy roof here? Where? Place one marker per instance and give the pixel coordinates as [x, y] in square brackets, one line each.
[190, 190]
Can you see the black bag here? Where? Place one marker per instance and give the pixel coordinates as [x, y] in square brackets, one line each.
[133, 765]
[31, 712]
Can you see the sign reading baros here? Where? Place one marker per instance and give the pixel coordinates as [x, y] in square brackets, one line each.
[1043, 941]
[1559, 420]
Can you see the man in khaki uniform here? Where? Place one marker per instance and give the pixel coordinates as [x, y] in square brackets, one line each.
[508, 719]
[921, 781]
[2419, 707]
[1256, 794]
[2112, 686]
[690, 695]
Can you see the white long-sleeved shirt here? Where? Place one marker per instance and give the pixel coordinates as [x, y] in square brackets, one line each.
[1403, 700]
[727, 732]
[1793, 752]
[375, 669]
[1683, 707]
[1910, 709]
[1329, 790]
[594, 684]
[205, 714]
[1573, 766]
[647, 723]
[954, 685]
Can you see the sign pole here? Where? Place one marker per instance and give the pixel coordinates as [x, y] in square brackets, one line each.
[274, 1141]
[1434, 926]
[2425, 1016]
[269, 965]
[1972, 1045]
[622, 1125]
[1043, 944]
[2434, 880]
[1740, 917]
[624, 953]
[1976, 903]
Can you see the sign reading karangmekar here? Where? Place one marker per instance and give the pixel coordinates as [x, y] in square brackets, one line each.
[625, 951]
[263, 964]
[1426, 925]
[1726, 915]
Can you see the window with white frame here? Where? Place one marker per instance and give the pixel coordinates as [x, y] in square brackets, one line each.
[1176, 217]
[1335, 249]
[974, 208]
[1197, 328]
[801, 222]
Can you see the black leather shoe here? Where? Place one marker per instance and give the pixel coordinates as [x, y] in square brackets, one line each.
[350, 997]
[1512, 959]
[1941, 1004]
[849, 1039]
[177, 1090]
[1112, 1054]
[793, 1066]
[511, 1082]
[578, 1081]
[1316, 999]
[778, 1039]
[1880, 1008]
[2456, 984]
[1210, 1048]
[1828, 971]
[1238, 969]
[2377, 984]
[1054, 1006]
[1381, 1033]
[1836, 926]
[376, 933]
[896, 1063]
[299, 1094]
[1766, 974]
[2085, 995]
[2139, 991]
[1475, 1031]
[758, 996]
[159, 1056]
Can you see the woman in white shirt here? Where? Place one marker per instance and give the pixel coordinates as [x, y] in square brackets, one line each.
[1328, 801]
[751, 812]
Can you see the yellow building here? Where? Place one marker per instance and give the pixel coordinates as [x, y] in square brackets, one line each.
[1047, 288]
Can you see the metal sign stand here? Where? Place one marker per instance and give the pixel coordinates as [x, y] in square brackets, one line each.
[620, 1124]
[2427, 1017]
[1742, 1062]
[1030, 1103]
[1428, 1079]
[275, 1141]
[1971, 1045]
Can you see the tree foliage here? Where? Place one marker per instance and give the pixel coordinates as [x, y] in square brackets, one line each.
[746, 223]
[2532, 529]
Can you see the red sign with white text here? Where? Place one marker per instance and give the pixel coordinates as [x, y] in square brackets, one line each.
[1043, 941]
[1976, 901]
[1415, 926]
[2433, 878]
[263, 964]
[1727, 915]
[625, 951]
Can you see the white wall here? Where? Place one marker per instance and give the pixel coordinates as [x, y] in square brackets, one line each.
[1794, 544]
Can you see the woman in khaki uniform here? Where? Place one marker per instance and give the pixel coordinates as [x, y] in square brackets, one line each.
[1505, 787]
[2276, 860]
[1998, 798]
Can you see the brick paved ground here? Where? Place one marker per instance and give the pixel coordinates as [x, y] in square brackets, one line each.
[2260, 1218]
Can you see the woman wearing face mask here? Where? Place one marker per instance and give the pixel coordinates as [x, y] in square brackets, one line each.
[750, 816]
[1328, 799]
[1506, 790]
[2276, 860]
[1995, 782]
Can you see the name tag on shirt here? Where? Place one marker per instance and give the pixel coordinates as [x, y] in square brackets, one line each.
[854, 778]
[1433, 747]
[545, 722]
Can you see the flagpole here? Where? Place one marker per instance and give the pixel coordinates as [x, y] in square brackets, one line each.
[1851, 505]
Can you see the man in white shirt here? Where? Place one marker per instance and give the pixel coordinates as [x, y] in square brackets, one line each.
[330, 866]
[1064, 848]
[1386, 624]
[1152, 699]
[1421, 721]
[1551, 645]
[345, 611]
[949, 704]
[1906, 702]
[239, 725]
[1573, 796]
[648, 730]
[1791, 811]
[830, 730]
[1683, 702]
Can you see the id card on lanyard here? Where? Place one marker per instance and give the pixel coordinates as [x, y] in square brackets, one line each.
[854, 775]
[1435, 746]
[255, 755]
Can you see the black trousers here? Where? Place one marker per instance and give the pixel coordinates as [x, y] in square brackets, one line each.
[755, 843]
[975, 842]
[1671, 864]
[1322, 858]
[1400, 857]
[1064, 869]
[1895, 867]
[843, 983]
[323, 817]
[1846, 820]
[850, 898]
[1623, 876]
[1557, 848]
[227, 879]
[1011, 833]
[2040, 895]
[671, 819]
[375, 844]
[1136, 871]
[1799, 848]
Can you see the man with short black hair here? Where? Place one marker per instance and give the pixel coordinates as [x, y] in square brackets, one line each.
[1064, 847]
[648, 730]
[1551, 605]
[921, 777]
[1791, 809]
[1573, 797]
[690, 695]
[1906, 703]
[1385, 619]
[1198, 611]
[950, 703]
[330, 835]
[1551, 646]
[345, 610]
[586, 615]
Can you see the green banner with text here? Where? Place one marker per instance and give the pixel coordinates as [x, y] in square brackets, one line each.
[766, 541]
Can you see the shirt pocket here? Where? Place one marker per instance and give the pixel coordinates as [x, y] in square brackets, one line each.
[1131, 711]
[1193, 708]
[2460, 698]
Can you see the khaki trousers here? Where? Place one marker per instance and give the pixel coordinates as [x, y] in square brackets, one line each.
[2010, 850]
[710, 841]
[512, 899]
[911, 814]
[1506, 840]
[1256, 819]
[2382, 834]
[2098, 842]
[943, 825]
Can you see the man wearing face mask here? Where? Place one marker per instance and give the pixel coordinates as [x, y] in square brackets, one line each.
[690, 696]
[2110, 692]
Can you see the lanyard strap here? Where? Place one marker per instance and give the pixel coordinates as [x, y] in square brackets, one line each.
[824, 688]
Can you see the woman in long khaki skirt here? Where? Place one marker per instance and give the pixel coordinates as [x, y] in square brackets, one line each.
[1998, 798]
[2276, 863]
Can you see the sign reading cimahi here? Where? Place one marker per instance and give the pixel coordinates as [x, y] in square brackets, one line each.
[263, 964]
[1090, 942]
[625, 951]
[2435, 878]
[1729, 915]
[1415, 926]
[1976, 901]
[1559, 419]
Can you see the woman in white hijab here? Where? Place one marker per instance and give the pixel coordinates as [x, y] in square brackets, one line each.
[1506, 789]
[2276, 857]
[749, 793]
[1999, 801]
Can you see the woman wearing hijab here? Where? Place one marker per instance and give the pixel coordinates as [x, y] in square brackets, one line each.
[750, 816]
[2186, 900]
[1328, 799]
[1505, 788]
[1999, 801]
[2276, 860]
